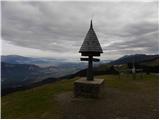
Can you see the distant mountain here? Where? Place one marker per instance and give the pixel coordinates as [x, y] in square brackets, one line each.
[29, 76]
[13, 75]
[57, 67]
[13, 58]
[44, 62]
[18, 71]
[134, 58]
[105, 61]
[23, 76]
[16, 59]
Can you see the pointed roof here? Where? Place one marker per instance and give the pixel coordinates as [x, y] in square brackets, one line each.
[91, 43]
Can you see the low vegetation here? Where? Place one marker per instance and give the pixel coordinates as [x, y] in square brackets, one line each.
[122, 97]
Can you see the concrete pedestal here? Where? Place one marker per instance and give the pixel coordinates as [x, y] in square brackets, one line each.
[83, 87]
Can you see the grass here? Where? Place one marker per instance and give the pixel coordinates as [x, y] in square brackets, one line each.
[127, 83]
[42, 102]
[32, 103]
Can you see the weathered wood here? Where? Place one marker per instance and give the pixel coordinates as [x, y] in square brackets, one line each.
[90, 47]
[87, 59]
[91, 43]
[90, 54]
[90, 69]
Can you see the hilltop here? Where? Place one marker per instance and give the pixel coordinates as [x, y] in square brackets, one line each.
[121, 98]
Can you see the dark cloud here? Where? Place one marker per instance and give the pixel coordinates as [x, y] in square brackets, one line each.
[60, 27]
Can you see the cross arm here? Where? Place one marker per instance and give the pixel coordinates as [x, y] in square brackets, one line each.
[87, 59]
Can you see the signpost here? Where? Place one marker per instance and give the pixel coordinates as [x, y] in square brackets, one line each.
[90, 47]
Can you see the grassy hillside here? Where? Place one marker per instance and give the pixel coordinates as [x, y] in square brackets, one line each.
[121, 98]
[151, 63]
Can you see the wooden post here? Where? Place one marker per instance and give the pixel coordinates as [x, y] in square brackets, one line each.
[90, 68]
[90, 60]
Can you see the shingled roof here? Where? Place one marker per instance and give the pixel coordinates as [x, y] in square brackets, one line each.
[91, 43]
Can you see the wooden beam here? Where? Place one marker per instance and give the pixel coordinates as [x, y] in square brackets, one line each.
[90, 54]
[84, 59]
[87, 59]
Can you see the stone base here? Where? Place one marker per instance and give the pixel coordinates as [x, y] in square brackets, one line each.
[83, 87]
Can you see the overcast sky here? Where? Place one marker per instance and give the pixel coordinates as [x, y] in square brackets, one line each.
[57, 29]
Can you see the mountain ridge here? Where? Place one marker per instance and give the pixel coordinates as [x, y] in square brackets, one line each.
[104, 68]
[133, 58]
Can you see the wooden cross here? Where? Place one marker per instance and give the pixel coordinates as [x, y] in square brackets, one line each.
[90, 47]
[90, 60]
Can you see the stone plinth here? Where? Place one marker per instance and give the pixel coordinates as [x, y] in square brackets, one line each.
[83, 87]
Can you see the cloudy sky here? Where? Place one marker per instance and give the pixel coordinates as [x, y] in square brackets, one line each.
[57, 29]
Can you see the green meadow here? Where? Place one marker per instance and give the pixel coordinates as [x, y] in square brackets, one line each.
[122, 97]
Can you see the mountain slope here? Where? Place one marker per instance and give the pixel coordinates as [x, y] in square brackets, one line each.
[50, 74]
[121, 98]
[19, 71]
[18, 74]
[134, 58]
[16, 59]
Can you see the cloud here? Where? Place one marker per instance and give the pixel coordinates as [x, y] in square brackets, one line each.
[60, 27]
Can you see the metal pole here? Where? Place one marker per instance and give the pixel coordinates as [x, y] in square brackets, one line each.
[90, 68]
